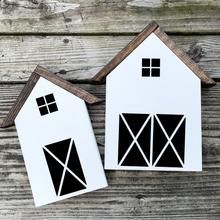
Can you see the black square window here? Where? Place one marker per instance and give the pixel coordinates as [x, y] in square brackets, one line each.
[53, 107]
[150, 67]
[43, 110]
[145, 62]
[155, 63]
[40, 101]
[47, 104]
[155, 72]
[50, 98]
[145, 71]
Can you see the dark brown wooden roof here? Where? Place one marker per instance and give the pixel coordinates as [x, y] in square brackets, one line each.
[153, 27]
[42, 72]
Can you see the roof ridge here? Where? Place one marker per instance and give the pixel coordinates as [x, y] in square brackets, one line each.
[153, 27]
[75, 90]
[184, 57]
[32, 81]
[133, 44]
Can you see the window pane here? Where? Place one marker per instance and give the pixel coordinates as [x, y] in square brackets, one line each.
[145, 72]
[155, 72]
[145, 62]
[50, 98]
[53, 107]
[43, 110]
[155, 62]
[40, 101]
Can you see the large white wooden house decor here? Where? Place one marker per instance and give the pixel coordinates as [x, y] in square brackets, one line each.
[56, 138]
[153, 106]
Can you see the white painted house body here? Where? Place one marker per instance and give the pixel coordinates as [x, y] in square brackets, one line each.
[60, 142]
[153, 114]
[176, 91]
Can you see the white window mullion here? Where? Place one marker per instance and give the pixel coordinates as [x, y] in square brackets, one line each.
[151, 140]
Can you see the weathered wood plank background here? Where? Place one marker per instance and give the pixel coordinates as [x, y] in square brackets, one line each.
[75, 39]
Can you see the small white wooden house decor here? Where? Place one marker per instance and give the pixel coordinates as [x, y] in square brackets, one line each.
[153, 106]
[56, 138]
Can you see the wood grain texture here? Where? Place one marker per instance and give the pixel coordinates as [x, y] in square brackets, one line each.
[16, 107]
[131, 194]
[128, 49]
[102, 16]
[93, 32]
[70, 87]
[205, 79]
[81, 57]
[56, 80]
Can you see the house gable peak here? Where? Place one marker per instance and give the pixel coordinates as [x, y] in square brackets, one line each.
[26, 91]
[153, 27]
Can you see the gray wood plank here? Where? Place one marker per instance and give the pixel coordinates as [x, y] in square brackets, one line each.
[131, 194]
[81, 57]
[93, 16]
